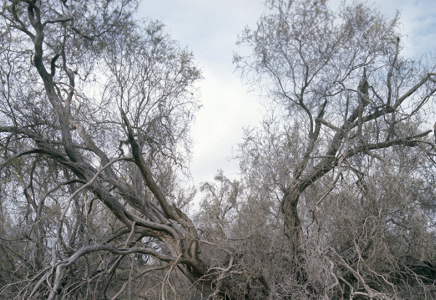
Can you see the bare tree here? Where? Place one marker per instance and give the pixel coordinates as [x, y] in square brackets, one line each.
[344, 108]
[342, 89]
[95, 114]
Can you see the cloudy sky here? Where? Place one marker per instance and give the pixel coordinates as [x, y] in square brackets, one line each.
[209, 28]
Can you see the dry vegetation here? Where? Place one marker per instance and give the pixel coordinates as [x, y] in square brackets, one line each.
[337, 194]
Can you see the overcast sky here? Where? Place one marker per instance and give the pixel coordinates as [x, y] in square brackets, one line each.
[209, 28]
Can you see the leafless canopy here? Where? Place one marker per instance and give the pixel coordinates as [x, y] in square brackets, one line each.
[337, 196]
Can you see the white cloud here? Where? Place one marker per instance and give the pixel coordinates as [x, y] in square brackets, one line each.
[218, 127]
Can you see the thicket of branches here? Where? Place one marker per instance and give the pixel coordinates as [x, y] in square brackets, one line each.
[337, 195]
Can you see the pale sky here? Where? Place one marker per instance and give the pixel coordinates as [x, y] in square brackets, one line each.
[209, 28]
